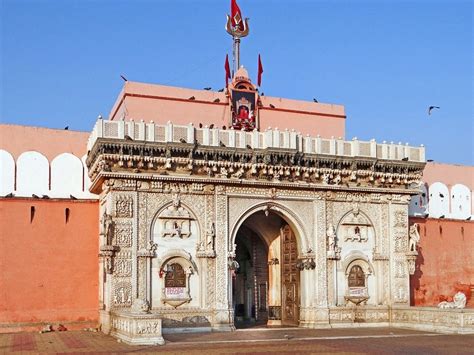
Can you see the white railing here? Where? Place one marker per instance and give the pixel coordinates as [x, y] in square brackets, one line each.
[270, 138]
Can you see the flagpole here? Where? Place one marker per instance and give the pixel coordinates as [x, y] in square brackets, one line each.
[236, 53]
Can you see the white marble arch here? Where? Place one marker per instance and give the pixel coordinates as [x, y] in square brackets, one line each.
[177, 248]
[460, 202]
[66, 176]
[359, 258]
[7, 173]
[439, 200]
[284, 212]
[32, 174]
[347, 240]
[419, 203]
[356, 249]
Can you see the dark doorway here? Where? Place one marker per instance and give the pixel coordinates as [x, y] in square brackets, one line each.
[250, 280]
[266, 284]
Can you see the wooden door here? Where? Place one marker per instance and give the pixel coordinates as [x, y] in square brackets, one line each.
[289, 277]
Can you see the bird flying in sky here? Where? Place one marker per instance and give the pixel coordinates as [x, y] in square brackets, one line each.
[431, 108]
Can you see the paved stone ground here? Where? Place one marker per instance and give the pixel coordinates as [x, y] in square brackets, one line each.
[292, 341]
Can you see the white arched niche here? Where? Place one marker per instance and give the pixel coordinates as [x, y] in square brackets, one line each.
[32, 174]
[175, 231]
[66, 176]
[439, 200]
[419, 203]
[7, 173]
[460, 202]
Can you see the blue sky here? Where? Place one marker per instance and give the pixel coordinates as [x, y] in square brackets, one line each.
[386, 61]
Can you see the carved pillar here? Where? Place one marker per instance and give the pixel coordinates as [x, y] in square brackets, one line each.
[317, 312]
[224, 318]
[400, 293]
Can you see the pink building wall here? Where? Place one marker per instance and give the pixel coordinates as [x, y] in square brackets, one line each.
[449, 174]
[158, 103]
[50, 142]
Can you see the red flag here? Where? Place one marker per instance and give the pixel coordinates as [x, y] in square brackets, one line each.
[260, 71]
[236, 16]
[227, 70]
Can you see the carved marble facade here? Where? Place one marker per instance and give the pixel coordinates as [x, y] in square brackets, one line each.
[172, 211]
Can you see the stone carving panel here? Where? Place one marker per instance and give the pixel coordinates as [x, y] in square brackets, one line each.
[175, 220]
[122, 267]
[122, 295]
[123, 234]
[124, 206]
[149, 328]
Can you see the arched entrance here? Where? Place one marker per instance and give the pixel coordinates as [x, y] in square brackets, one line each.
[265, 286]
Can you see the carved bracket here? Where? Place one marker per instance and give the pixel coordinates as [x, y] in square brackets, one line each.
[334, 254]
[306, 264]
[411, 259]
[107, 252]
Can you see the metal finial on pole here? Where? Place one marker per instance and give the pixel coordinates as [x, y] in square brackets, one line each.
[237, 31]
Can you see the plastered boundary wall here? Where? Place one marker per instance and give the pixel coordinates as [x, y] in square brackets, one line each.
[445, 261]
[49, 263]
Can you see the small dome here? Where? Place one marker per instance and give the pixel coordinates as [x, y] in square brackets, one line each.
[241, 74]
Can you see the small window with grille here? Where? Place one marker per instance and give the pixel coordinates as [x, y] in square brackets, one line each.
[175, 277]
[356, 277]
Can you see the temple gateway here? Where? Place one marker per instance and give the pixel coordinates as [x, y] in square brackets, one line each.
[205, 228]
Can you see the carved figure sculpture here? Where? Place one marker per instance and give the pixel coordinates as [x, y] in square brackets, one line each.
[326, 178]
[459, 302]
[414, 237]
[107, 228]
[331, 235]
[177, 230]
[210, 236]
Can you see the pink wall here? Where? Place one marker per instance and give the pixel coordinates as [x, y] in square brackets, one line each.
[445, 261]
[449, 174]
[158, 103]
[50, 142]
[49, 268]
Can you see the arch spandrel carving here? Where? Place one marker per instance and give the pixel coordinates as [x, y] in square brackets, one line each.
[175, 226]
[355, 229]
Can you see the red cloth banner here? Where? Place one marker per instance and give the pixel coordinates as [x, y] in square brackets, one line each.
[236, 16]
[260, 71]
[227, 70]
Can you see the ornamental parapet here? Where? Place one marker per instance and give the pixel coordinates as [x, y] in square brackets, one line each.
[270, 138]
[272, 155]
